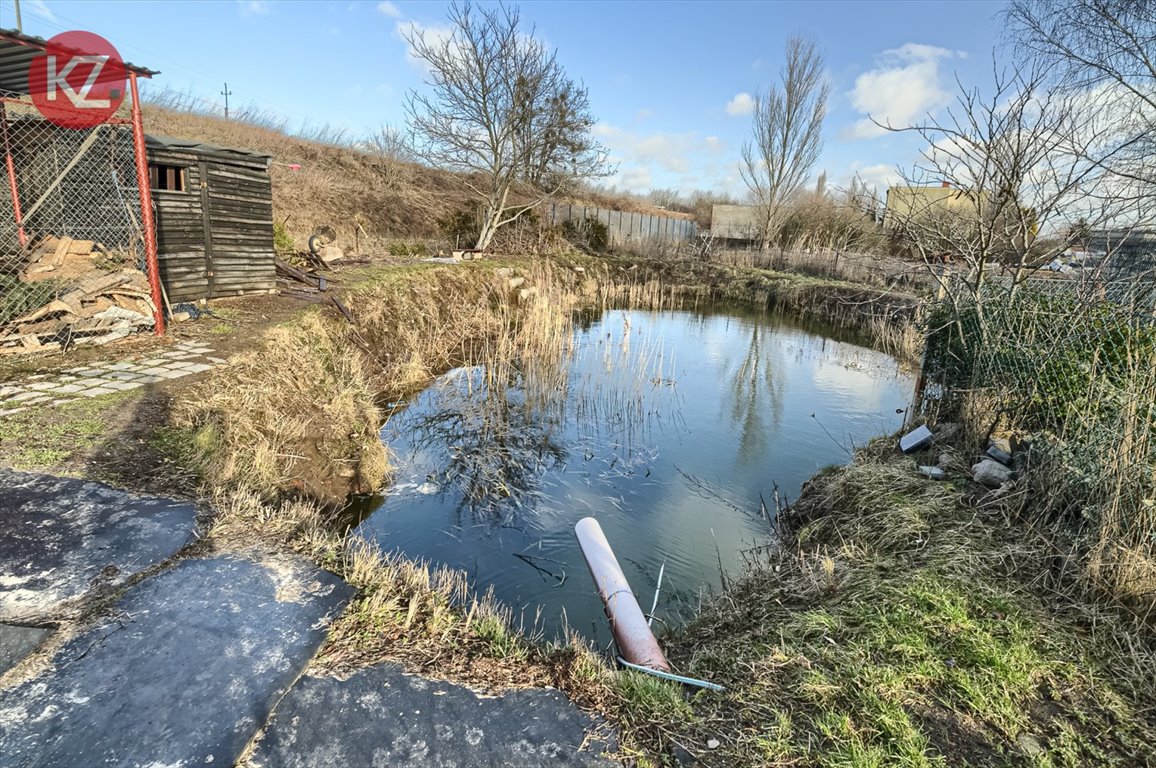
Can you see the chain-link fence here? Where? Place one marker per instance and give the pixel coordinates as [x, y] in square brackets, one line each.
[1069, 364]
[72, 268]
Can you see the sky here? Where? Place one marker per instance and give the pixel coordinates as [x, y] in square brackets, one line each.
[671, 83]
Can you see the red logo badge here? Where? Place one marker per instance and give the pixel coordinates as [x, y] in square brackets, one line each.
[79, 81]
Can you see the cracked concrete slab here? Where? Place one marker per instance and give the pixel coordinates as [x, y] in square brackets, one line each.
[382, 717]
[58, 534]
[16, 643]
[182, 672]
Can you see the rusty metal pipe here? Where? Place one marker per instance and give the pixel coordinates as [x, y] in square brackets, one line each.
[18, 217]
[636, 643]
[140, 153]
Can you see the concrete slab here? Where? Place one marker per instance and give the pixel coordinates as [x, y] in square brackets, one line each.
[58, 534]
[96, 391]
[182, 673]
[16, 643]
[380, 716]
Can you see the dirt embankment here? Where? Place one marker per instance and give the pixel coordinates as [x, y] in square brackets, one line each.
[361, 194]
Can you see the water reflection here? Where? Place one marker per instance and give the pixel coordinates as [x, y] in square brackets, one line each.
[670, 428]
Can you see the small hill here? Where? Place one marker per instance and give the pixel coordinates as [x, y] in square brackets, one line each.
[342, 186]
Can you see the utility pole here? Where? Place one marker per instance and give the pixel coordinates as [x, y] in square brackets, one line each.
[226, 93]
[19, 26]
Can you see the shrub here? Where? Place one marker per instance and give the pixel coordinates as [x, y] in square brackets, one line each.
[282, 240]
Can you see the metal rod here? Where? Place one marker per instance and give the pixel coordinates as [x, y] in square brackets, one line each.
[146, 209]
[627, 623]
[657, 589]
[671, 676]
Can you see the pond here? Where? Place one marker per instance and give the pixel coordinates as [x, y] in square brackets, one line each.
[674, 429]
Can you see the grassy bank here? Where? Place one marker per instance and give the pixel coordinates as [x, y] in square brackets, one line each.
[900, 622]
[905, 622]
[885, 318]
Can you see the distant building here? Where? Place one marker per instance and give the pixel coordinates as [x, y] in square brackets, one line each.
[734, 222]
[907, 203]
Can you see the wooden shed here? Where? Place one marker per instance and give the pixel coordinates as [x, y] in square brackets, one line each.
[214, 219]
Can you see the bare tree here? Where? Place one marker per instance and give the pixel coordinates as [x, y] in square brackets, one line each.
[786, 136]
[997, 171]
[390, 143]
[1105, 51]
[501, 111]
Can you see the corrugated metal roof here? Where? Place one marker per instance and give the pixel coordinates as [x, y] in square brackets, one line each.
[199, 147]
[17, 50]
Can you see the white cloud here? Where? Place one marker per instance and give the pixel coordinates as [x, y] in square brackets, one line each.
[904, 86]
[741, 104]
[389, 9]
[681, 159]
[254, 7]
[39, 8]
[433, 34]
[879, 176]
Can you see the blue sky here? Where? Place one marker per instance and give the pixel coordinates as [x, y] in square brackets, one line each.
[669, 82]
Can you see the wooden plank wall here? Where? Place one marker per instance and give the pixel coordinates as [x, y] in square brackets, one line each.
[241, 220]
[231, 251]
[180, 232]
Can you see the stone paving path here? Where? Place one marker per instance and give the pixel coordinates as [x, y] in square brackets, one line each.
[183, 359]
[182, 672]
[188, 665]
[381, 716]
[59, 534]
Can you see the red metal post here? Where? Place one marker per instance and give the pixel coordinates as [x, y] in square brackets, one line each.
[15, 192]
[146, 208]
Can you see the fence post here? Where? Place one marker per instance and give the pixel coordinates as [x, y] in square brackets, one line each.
[15, 192]
[146, 208]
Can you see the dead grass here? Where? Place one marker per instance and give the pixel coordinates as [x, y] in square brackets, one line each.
[369, 199]
[886, 318]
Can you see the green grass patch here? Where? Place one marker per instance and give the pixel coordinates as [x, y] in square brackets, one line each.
[49, 437]
[890, 634]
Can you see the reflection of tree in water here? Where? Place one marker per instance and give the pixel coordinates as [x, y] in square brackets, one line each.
[497, 449]
[756, 392]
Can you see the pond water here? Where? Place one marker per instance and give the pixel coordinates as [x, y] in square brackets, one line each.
[672, 428]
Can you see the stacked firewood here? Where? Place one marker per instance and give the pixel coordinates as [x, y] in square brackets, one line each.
[74, 293]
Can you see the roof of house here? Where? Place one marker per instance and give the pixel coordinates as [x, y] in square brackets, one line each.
[17, 50]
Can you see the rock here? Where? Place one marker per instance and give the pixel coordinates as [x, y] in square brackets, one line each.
[1029, 744]
[580, 270]
[1003, 442]
[991, 473]
[1000, 455]
[934, 473]
[516, 282]
[331, 253]
[505, 272]
[382, 716]
[526, 293]
[918, 438]
[181, 317]
[712, 743]
[16, 643]
[182, 671]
